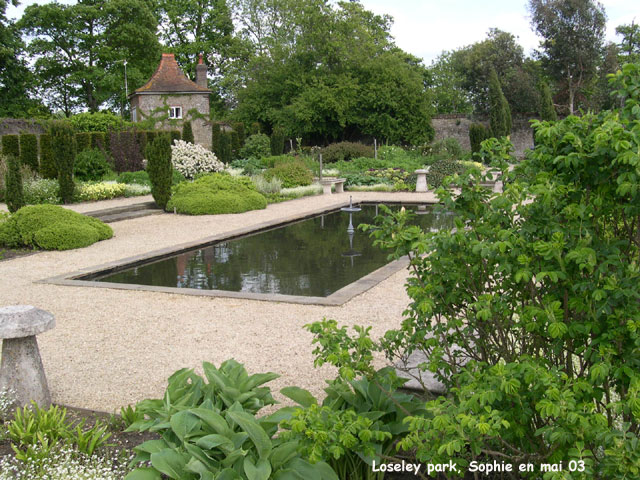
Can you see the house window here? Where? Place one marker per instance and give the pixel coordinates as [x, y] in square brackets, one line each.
[134, 114]
[175, 112]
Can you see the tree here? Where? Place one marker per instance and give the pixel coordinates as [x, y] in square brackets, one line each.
[629, 47]
[446, 85]
[63, 146]
[499, 112]
[467, 70]
[546, 110]
[15, 78]
[573, 33]
[158, 153]
[317, 83]
[187, 132]
[13, 183]
[79, 50]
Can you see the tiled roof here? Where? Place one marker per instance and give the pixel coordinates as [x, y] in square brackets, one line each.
[169, 78]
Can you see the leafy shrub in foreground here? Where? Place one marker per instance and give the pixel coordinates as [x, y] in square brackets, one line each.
[256, 146]
[208, 426]
[214, 194]
[345, 151]
[192, 159]
[14, 194]
[158, 155]
[91, 165]
[293, 174]
[51, 227]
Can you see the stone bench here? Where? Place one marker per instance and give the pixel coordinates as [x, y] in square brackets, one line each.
[21, 371]
[328, 182]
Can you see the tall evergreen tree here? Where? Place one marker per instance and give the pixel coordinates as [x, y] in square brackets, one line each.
[546, 110]
[499, 112]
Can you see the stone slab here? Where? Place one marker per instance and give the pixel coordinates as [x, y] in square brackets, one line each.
[18, 321]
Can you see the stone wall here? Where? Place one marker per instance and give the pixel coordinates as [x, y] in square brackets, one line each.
[195, 107]
[16, 126]
[457, 126]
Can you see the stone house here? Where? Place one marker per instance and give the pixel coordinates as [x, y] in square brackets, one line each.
[170, 98]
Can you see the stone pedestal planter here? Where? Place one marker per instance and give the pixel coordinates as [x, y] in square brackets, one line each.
[21, 371]
[421, 182]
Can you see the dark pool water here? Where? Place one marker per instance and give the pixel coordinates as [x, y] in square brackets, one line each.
[313, 257]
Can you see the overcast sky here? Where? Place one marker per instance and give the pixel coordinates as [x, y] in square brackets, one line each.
[427, 27]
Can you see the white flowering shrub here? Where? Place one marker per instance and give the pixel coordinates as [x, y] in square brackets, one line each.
[7, 401]
[190, 159]
[41, 190]
[63, 464]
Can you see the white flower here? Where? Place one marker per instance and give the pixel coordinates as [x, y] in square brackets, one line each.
[190, 159]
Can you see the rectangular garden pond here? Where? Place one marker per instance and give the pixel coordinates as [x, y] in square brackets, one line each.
[311, 260]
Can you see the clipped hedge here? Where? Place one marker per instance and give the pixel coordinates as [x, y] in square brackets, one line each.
[83, 141]
[337, 152]
[11, 145]
[292, 174]
[14, 193]
[51, 227]
[47, 162]
[215, 194]
[29, 150]
[187, 132]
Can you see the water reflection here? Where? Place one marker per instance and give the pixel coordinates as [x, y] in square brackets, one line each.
[305, 258]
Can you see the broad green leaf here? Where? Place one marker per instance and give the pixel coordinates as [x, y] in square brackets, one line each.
[144, 473]
[258, 471]
[300, 396]
[183, 423]
[257, 434]
[171, 463]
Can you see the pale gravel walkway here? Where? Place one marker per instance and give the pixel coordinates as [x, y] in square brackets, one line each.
[115, 347]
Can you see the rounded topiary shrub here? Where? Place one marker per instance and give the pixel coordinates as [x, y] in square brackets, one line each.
[214, 194]
[337, 152]
[256, 146]
[91, 165]
[293, 174]
[51, 227]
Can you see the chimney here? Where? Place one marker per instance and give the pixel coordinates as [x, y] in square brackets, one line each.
[201, 73]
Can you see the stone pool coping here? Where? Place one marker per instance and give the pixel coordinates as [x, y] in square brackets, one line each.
[339, 297]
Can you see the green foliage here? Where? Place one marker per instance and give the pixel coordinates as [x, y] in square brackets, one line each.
[51, 227]
[141, 178]
[292, 174]
[215, 140]
[499, 112]
[63, 146]
[174, 135]
[441, 169]
[445, 148]
[99, 141]
[14, 195]
[345, 151]
[276, 141]
[256, 146]
[11, 145]
[91, 165]
[78, 51]
[477, 134]
[546, 110]
[29, 150]
[187, 132]
[208, 427]
[573, 37]
[48, 429]
[97, 122]
[226, 152]
[159, 168]
[214, 194]
[47, 161]
[237, 139]
[83, 141]
[551, 265]
[41, 190]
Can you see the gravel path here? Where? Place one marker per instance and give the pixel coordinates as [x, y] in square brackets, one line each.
[115, 347]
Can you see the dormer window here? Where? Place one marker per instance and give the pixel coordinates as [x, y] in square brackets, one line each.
[175, 112]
